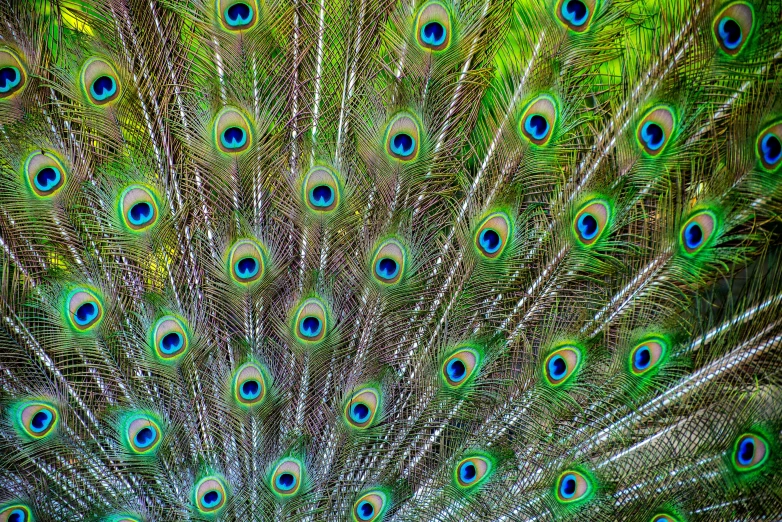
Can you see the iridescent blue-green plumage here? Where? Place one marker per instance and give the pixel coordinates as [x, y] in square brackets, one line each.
[403, 260]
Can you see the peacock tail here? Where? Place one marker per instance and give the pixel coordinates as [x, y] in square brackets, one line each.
[410, 260]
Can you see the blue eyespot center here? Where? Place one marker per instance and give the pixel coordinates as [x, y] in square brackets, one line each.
[693, 235]
[141, 213]
[467, 472]
[286, 481]
[402, 144]
[772, 148]
[9, 78]
[433, 33]
[365, 510]
[456, 370]
[103, 87]
[642, 359]
[211, 498]
[145, 437]
[568, 486]
[387, 268]
[322, 196]
[490, 240]
[730, 33]
[247, 267]
[588, 226]
[40, 421]
[17, 515]
[653, 135]
[171, 342]
[86, 313]
[360, 412]
[233, 138]
[557, 367]
[575, 11]
[250, 389]
[746, 451]
[310, 326]
[47, 178]
[537, 126]
[239, 14]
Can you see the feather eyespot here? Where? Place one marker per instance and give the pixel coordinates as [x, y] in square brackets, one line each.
[237, 15]
[210, 495]
[537, 122]
[561, 365]
[388, 263]
[142, 433]
[573, 486]
[13, 75]
[249, 385]
[576, 14]
[732, 27]
[232, 131]
[100, 82]
[287, 478]
[750, 452]
[311, 321]
[472, 471]
[16, 513]
[83, 309]
[138, 208]
[321, 190]
[170, 338]
[37, 420]
[45, 174]
[403, 138]
[370, 506]
[246, 260]
[361, 409]
[655, 130]
[591, 222]
[433, 27]
[664, 517]
[458, 369]
[769, 147]
[492, 235]
[697, 232]
[647, 355]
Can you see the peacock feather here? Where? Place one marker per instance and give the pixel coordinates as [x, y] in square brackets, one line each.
[410, 260]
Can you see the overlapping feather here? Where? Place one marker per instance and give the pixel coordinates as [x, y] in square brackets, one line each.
[513, 247]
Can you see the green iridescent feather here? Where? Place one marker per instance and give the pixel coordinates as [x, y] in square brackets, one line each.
[405, 261]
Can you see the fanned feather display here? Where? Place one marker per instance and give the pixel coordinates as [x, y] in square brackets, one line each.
[390, 260]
